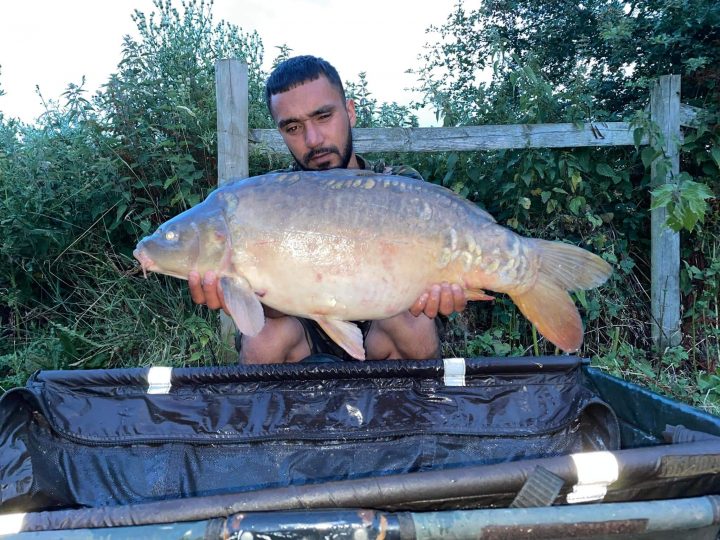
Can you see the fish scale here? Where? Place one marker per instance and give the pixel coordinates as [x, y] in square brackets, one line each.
[343, 245]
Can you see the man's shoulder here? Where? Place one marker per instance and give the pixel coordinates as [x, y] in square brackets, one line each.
[400, 170]
[289, 168]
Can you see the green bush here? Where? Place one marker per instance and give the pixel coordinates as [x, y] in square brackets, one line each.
[520, 61]
[91, 178]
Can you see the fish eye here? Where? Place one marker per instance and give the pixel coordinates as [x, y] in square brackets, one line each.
[171, 235]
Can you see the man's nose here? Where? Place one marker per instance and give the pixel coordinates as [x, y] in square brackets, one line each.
[313, 136]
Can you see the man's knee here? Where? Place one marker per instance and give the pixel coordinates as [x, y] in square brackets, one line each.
[281, 340]
[404, 336]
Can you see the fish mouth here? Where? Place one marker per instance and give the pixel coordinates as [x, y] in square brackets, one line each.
[145, 261]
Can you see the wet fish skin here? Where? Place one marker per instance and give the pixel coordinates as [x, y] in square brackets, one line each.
[344, 245]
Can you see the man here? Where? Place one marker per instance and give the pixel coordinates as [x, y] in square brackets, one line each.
[307, 101]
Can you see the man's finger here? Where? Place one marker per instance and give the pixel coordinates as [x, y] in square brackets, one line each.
[447, 301]
[459, 299]
[209, 285]
[419, 306]
[196, 290]
[433, 303]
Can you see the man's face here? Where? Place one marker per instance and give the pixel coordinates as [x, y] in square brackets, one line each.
[316, 125]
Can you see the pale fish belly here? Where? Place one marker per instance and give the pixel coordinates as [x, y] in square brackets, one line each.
[342, 276]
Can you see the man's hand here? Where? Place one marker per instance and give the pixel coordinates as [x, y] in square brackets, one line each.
[440, 298]
[206, 290]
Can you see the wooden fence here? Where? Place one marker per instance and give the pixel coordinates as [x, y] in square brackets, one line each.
[666, 111]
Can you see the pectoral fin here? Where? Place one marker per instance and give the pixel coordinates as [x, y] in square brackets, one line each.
[345, 334]
[243, 305]
[477, 295]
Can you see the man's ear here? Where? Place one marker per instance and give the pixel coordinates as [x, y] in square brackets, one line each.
[350, 107]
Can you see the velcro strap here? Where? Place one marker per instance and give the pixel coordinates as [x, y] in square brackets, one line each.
[540, 489]
[159, 380]
[454, 371]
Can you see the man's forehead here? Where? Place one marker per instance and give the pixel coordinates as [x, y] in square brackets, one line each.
[305, 98]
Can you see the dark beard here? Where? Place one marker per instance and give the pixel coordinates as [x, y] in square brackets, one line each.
[345, 156]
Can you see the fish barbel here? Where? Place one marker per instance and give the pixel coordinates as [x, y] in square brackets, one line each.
[347, 245]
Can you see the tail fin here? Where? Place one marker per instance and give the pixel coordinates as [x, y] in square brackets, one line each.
[547, 304]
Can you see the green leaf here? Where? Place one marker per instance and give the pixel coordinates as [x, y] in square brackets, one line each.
[662, 196]
[696, 190]
[575, 180]
[120, 212]
[661, 169]
[709, 169]
[689, 219]
[605, 170]
[460, 188]
[638, 135]
[576, 204]
[474, 173]
[644, 367]
[684, 202]
[596, 221]
[715, 153]
[648, 155]
[627, 264]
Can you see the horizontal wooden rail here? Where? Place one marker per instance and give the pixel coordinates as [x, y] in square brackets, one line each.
[474, 138]
[470, 138]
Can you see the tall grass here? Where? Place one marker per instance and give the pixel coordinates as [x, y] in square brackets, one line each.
[99, 312]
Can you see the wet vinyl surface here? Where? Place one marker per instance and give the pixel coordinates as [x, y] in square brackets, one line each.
[98, 438]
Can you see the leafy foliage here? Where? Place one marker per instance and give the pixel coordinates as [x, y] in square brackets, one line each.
[604, 54]
[370, 114]
[518, 61]
[159, 108]
[81, 186]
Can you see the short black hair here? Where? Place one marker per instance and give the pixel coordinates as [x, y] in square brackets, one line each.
[298, 70]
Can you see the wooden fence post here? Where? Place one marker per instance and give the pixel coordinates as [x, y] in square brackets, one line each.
[665, 251]
[231, 88]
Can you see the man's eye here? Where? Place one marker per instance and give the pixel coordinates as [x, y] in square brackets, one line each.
[292, 129]
[325, 116]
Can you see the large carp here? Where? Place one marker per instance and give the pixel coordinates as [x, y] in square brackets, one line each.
[347, 245]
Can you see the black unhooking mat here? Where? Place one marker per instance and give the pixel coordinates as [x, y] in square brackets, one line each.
[109, 437]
